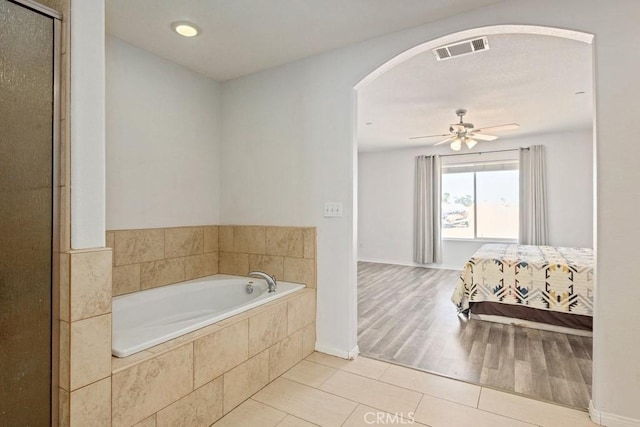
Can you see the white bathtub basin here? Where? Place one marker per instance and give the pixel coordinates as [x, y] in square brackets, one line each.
[147, 318]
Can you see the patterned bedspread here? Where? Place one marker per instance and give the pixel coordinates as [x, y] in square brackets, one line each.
[544, 277]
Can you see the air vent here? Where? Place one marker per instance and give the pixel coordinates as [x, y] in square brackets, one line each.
[460, 49]
[442, 53]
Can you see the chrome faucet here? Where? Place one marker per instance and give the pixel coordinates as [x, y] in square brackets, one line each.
[271, 280]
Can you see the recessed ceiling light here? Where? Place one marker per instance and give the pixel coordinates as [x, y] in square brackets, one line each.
[185, 28]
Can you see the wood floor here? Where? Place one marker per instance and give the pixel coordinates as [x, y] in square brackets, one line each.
[405, 316]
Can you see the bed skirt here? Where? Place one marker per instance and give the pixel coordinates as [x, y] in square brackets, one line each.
[567, 320]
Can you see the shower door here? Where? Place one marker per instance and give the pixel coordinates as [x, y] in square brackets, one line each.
[28, 123]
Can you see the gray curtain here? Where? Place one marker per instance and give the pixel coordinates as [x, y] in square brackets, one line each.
[533, 197]
[428, 242]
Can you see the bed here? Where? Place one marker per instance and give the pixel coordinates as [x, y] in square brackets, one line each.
[539, 286]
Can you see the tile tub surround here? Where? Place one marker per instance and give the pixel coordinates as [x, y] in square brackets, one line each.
[197, 378]
[288, 253]
[84, 372]
[148, 258]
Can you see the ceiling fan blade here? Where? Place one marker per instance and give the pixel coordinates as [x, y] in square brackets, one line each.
[482, 136]
[429, 136]
[451, 138]
[499, 128]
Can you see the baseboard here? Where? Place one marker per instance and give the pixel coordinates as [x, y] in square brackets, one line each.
[411, 264]
[594, 414]
[610, 420]
[350, 355]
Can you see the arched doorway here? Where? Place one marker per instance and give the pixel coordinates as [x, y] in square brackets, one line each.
[566, 383]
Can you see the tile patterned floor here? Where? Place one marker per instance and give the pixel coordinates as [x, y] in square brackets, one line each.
[323, 390]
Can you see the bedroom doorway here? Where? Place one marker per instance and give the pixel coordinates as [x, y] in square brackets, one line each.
[405, 313]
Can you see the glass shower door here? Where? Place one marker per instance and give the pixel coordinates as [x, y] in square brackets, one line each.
[26, 214]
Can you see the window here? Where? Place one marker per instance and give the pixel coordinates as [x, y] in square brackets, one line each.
[480, 200]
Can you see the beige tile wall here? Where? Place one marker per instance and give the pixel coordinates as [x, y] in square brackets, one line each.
[148, 258]
[84, 371]
[144, 259]
[288, 253]
[199, 377]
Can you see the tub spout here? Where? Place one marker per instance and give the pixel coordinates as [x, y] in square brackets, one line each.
[271, 280]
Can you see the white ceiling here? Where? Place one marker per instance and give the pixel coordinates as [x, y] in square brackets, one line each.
[244, 36]
[527, 79]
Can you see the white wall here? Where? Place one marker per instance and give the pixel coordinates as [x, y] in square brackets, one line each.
[87, 93]
[570, 190]
[283, 145]
[304, 112]
[162, 142]
[386, 183]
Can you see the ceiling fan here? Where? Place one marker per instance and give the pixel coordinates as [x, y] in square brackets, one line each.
[465, 132]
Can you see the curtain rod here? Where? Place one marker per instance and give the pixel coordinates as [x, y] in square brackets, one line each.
[484, 152]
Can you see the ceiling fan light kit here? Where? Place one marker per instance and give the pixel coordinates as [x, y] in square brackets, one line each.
[465, 132]
[456, 145]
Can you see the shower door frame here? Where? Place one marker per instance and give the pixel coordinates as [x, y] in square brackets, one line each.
[56, 248]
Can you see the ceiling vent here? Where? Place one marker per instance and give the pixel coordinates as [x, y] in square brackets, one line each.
[462, 48]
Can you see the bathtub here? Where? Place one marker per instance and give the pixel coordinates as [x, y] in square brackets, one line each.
[147, 318]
